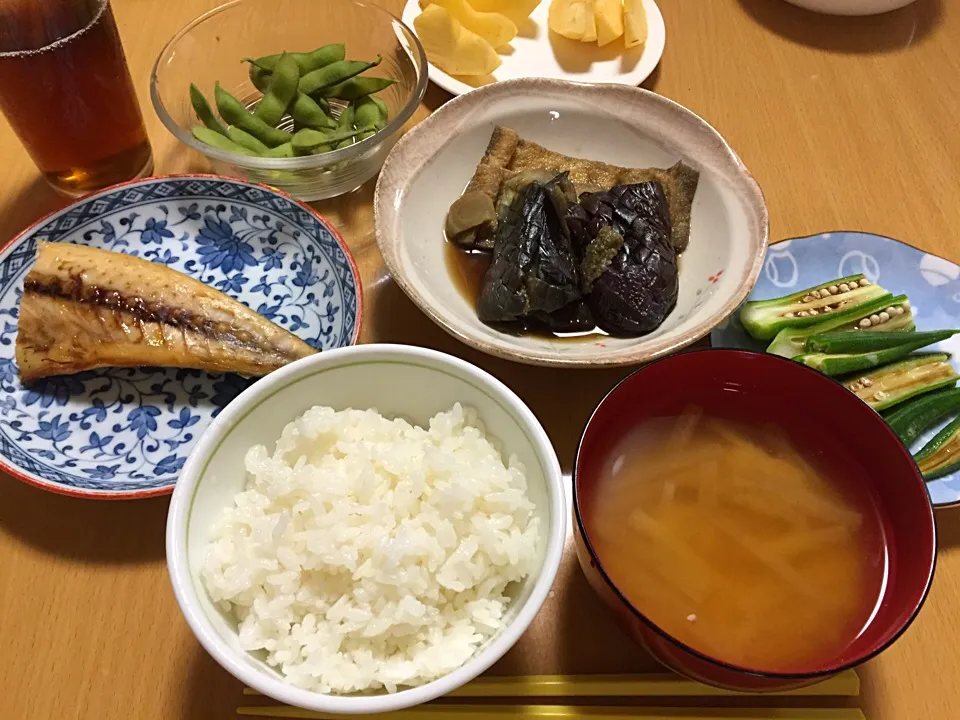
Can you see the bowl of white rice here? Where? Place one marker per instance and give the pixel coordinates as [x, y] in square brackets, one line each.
[366, 529]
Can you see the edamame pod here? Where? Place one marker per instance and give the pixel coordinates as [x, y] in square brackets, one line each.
[309, 141]
[280, 151]
[307, 112]
[233, 111]
[204, 112]
[367, 112]
[346, 119]
[307, 62]
[383, 107]
[334, 74]
[218, 141]
[245, 139]
[281, 91]
[356, 88]
[259, 77]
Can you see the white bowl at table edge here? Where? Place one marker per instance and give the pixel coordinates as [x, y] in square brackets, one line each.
[199, 611]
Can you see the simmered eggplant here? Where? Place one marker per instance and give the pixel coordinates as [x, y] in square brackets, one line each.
[534, 271]
[629, 271]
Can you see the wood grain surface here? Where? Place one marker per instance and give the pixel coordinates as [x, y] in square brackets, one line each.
[846, 124]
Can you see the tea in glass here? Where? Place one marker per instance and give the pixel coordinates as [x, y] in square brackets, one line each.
[67, 93]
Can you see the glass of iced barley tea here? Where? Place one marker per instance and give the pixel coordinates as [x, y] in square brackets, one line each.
[67, 93]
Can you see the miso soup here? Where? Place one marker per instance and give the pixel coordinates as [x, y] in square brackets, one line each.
[734, 542]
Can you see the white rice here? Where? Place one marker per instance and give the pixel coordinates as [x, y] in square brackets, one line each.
[368, 553]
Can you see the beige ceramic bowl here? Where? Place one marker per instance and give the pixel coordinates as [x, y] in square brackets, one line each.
[431, 165]
[851, 7]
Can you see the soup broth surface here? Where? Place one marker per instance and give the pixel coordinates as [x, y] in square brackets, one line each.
[736, 543]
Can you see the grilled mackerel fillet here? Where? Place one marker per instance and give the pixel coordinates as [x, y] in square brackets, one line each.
[84, 308]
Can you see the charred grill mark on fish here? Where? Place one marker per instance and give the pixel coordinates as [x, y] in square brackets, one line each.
[73, 289]
[84, 308]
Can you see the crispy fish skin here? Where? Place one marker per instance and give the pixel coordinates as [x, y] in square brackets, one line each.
[84, 308]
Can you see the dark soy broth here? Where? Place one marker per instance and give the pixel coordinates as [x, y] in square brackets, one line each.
[732, 541]
[467, 269]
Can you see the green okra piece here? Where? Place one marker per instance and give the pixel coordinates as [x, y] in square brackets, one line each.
[941, 456]
[892, 384]
[885, 314]
[837, 298]
[865, 341]
[912, 418]
[834, 364]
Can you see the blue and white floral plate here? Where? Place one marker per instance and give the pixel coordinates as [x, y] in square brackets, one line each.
[931, 283]
[126, 432]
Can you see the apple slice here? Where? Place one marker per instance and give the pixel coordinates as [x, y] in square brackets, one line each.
[569, 18]
[609, 18]
[516, 10]
[496, 29]
[634, 23]
[451, 47]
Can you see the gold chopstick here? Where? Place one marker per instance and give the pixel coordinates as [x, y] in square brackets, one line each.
[846, 684]
[570, 712]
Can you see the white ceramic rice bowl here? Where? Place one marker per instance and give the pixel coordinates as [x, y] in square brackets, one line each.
[432, 164]
[397, 380]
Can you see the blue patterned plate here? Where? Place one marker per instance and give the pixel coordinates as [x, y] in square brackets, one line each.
[126, 432]
[931, 283]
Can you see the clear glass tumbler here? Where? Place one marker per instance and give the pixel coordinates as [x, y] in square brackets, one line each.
[67, 93]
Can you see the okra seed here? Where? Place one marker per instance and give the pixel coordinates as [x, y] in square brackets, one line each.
[865, 381]
[803, 313]
[813, 311]
[864, 282]
[833, 289]
[906, 305]
[826, 308]
[875, 319]
[816, 294]
[844, 288]
[899, 310]
[807, 298]
[865, 323]
[884, 316]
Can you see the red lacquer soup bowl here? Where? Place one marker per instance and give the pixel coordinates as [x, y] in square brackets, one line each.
[814, 412]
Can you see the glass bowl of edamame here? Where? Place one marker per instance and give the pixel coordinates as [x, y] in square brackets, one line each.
[308, 96]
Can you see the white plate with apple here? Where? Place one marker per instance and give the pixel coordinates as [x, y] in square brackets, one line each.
[608, 51]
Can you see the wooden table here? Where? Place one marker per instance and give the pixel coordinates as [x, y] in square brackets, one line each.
[846, 124]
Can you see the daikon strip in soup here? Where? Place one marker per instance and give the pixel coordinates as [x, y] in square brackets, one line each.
[732, 541]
